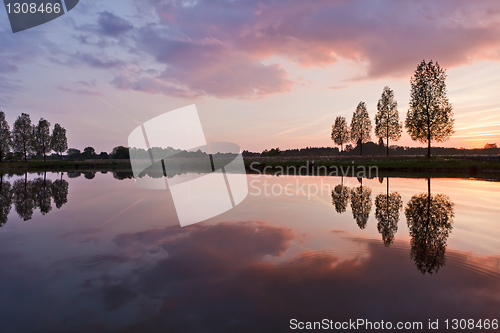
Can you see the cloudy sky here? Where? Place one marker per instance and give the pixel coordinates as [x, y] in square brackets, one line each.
[261, 73]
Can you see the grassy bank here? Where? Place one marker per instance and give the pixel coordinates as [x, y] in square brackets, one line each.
[53, 165]
[407, 166]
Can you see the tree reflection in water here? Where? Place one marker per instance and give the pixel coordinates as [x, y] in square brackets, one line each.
[5, 200]
[387, 207]
[429, 218]
[340, 197]
[361, 204]
[28, 195]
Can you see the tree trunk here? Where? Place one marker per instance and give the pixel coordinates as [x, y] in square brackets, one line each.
[387, 146]
[44, 158]
[428, 133]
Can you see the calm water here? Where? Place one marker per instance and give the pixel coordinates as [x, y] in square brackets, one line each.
[93, 253]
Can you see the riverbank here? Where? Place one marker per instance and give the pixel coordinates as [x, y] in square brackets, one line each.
[408, 166]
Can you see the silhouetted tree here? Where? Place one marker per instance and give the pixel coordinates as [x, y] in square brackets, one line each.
[120, 152]
[340, 132]
[430, 115]
[5, 137]
[88, 152]
[74, 174]
[42, 138]
[429, 219]
[5, 200]
[60, 189]
[340, 198]
[23, 198]
[22, 135]
[89, 174]
[490, 146]
[361, 204]
[361, 126]
[59, 142]
[387, 125]
[42, 192]
[387, 207]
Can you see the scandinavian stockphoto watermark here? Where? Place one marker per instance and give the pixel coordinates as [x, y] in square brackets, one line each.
[204, 179]
[296, 177]
[26, 14]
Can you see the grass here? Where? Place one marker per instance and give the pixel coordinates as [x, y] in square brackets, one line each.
[403, 166]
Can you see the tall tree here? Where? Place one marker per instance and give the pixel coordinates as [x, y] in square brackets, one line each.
[5, 137]
[22, 134]
[59, 142]
[361, 126]
[430, 116]
[340, 132]
[387, 125]
[41, 138]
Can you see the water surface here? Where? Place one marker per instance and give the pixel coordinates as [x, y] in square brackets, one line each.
[85, 252]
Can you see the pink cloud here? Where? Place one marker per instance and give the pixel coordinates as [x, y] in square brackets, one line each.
[219, 48]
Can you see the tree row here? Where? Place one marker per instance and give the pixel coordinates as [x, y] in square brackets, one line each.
[429, 117]
[27, 138]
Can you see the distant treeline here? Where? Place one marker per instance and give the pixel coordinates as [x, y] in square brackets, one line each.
[373, 149]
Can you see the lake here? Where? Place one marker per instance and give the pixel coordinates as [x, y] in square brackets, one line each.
[87, 252]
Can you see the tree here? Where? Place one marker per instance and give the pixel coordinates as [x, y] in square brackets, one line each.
[42, 194]
[5, 137]
[120, 152]
[340, 198]
[59, 142]
[361, 126]
[490, 146]
[60, 192]
[361, 205]
[5, 200]
[429, 218]
[387, 125]
[41, 138]
[22, 134]
[88, 152]
[387, 207]
[340, 132]
[24, 203]
[430, 115]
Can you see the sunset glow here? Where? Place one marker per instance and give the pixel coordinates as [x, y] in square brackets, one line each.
[263, 74]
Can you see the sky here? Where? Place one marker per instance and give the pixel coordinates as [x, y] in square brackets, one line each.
[262, 74]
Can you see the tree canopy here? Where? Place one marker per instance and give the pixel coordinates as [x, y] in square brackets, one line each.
[387, 125]
[361, 126]
[430, 116]
[59, 142]
[340, 132]
[5, 136]
[42, 138]
[22, 134]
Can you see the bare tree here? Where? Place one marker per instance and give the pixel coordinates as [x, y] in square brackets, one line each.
[387, 125]
[430, 116]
